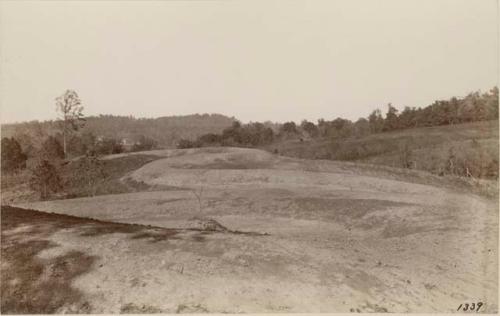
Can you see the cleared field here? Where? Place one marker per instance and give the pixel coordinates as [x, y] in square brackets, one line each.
[304, 236]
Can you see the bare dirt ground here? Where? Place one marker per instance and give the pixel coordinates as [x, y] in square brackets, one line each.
[306, 236]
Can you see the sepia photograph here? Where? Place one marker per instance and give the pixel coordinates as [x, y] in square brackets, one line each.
[249, 156]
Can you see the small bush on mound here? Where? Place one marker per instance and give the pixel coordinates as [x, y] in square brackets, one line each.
[211, 225]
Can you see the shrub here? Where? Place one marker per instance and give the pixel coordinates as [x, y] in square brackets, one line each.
[45, 179]
[144, 143]
[52, 149]
[405, 155]
[13, 157]
[186, 143]
[90, 171]
[108, 146]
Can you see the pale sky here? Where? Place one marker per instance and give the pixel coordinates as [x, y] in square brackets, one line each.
[255, 60]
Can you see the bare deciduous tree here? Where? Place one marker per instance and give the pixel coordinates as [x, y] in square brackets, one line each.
[198, 193]
[70, 108]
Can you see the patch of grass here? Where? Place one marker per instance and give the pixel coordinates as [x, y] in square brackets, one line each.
[31, 285]
[191, 309]
[114, 169]
[474, 147]
[15, 187]
[132, 308]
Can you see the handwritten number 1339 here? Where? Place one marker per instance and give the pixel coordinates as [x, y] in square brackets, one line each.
[472, 307]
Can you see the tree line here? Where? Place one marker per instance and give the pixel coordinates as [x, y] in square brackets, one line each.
[44, 153]
[475, 106]
[165, 131]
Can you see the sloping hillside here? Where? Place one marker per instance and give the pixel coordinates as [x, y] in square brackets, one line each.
[452, 149]
[302, 236]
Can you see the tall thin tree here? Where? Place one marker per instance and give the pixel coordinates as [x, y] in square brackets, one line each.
[70, 108]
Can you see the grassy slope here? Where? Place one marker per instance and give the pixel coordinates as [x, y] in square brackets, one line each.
[430, 147]
[15, 187]
[114, 170]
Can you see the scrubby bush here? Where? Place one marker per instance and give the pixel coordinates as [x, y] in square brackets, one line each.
[90, 172]
[45, 179]
[79, 144]
[144, 143]
[405, 155]
[13, 158]
[51, 149]
[108, 146]
[186, 143]
[248, 135]
[472, 161]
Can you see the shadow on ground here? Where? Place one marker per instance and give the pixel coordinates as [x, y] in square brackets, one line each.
[31, 285]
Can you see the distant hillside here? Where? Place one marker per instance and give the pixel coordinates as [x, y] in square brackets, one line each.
[469, 149]
[167, 131]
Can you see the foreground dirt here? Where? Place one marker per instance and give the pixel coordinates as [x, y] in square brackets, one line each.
[32, 283]
[321, 239]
